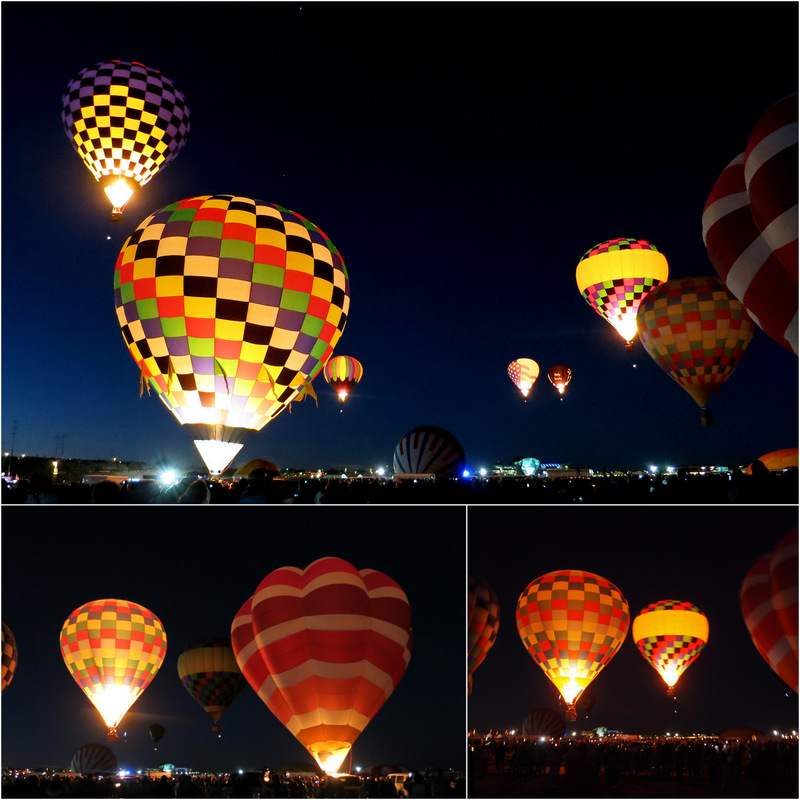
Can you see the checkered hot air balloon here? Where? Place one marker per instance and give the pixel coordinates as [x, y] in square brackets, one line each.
[670, 634]
[572, 623]
[10, 656]
[768, 598]
[429, 449]
[113, 649]
[523, 373]
[208, 670]
[697, 332]
[484, 622]
[343, 373]
[559, 376]
[125, 120]
[324, 647]
[230, 307]
[615, 276]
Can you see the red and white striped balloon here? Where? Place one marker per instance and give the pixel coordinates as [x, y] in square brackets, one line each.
[324, 647]
[769, 606]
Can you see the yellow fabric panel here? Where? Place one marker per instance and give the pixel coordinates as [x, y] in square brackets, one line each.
[621, 264]
[670, 621]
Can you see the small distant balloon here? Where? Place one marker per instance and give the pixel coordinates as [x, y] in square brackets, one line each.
[523, 373]
[156, 732]
[343, 373]
[559, 376]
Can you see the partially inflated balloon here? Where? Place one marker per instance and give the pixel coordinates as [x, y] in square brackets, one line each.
[93, 758]
[125, 120]
[696, 331]
[484, 622]
[544, 722]
[559, 376]
[230, 307]
[670, 635]
[113, 649]
[209, 672]
[343, 373]
[523, 373]
[572, 623]
[324, 647]
[10, 656]
[429, 450]
[615, 276]
[777, 460]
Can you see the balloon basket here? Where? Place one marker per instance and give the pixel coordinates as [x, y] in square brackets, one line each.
[113, 736]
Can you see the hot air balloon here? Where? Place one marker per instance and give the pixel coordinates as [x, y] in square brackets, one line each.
[484, 621]
[93, 758]
[777, 460]
[209, 672]
[230, 307]
[544, 722]
[265, 468]
[156, 732]
[768, 598]
[523, 373]
[572, 623]
[113, 649]
[343, 373]
[10, 656]
[615, 276]
[670, 635]
[560, 376]
[697, 332]
[429, 450]
[324, 647]
[125, 120]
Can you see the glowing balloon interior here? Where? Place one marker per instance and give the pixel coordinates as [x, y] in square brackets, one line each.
[615, 276]
[229, 307]
[343, 373]
[572, 623]
[670, 635]
[113, 649]
[324, 647]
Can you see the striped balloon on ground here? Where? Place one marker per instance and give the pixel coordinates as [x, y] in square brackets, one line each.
[484, 622]
[429, 450]
[768, 598]
[324, 647]
[10, 656]
[744, 259]
[777, 460]
[93, 758]
[544, 722]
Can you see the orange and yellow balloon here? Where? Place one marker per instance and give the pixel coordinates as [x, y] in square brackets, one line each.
[484, 621]
[615, 276]
[523, 373]
[343, 373]
[670, 635]
[572, 623]
[113, 649]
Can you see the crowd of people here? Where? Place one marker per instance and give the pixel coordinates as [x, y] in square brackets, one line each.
[678, 488]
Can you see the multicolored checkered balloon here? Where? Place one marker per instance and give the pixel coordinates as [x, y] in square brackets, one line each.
[484, 622]
[670, 634]
[230, 307]
[113, 649]
[10, 656]
[572, 623]
[124, 119]
[615, 276]
[343, 373]
[696, 331]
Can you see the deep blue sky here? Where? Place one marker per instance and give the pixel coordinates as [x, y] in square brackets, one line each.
[181, 567]
[462, 158]
[698, 554]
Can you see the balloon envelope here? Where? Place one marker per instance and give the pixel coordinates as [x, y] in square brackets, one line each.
[229, 307]
[10, 656]
[777, 460]
[615, 276]
[484, 621]
[429, 449]
[544, 722]
[670, 634]
[523, 373]
[572, 623]
[559, 376]
[156, 732]
[343, 373]
[94, 758]
[324, 647]
[113, 649]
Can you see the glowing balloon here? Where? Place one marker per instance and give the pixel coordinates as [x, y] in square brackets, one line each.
[343, 373]
[113, 649]
[484, 621]
[10, 656]
[523, 373]
[544, 722]
[429, 450]
[125, 120]
[768, 598]
[572, 624]
[93, 758]
[697, 332]
[615, 276]
[230, 307]
[324, 647]
[670, 635]
[209, 672]
[559, 376]
[777, 460]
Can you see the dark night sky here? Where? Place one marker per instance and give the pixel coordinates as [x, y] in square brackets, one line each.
[699, 554]
[462, 157]
[194, 570]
